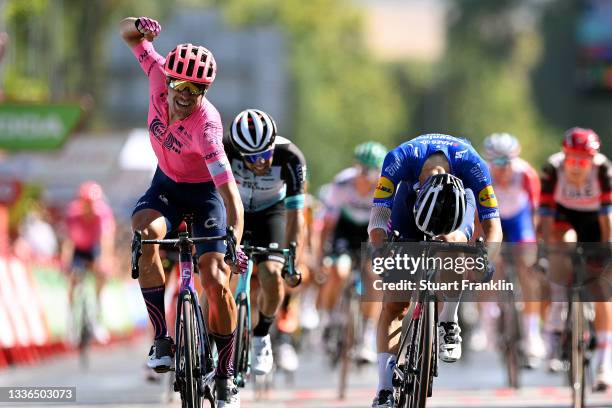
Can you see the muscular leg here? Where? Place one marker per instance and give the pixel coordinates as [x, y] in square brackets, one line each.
[272, 289]
[215, 278]
[388, 336]
[152, 280]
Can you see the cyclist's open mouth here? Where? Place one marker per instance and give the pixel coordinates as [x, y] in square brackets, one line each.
[183, 104]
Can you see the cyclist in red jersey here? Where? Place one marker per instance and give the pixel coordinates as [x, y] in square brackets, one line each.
[193, 176]
[577, 207]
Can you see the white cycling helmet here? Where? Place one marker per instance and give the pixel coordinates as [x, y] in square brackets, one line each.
[501, 146]
[252, 131]
[440, 205]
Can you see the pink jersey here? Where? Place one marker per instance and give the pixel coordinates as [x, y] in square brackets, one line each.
[86, 230]
[524, 190]
[190, 150]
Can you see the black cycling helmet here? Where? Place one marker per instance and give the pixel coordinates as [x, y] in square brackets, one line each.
[440, 205]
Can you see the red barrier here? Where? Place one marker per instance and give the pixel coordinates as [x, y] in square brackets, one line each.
[23, 329]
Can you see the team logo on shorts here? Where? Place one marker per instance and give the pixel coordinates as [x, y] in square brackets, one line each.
[487, 198]
[211, 223]
[384, 189]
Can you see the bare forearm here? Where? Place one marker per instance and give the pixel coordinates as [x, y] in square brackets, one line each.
[546, 222]
[67, 252]
[233, 207]
[493, 235]
[107, 245]
[328, 226]
[605, 223]
[294, 228]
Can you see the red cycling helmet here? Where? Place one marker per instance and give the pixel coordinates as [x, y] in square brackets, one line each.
[90, 191]
[579, 140]
[191, 63]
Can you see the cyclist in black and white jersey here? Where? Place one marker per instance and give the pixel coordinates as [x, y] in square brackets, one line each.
[270, 172]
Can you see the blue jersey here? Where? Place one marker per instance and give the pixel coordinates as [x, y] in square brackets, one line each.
[404, 164]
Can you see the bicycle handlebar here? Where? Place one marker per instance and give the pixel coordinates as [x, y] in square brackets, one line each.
[289, 273]
[138, 242]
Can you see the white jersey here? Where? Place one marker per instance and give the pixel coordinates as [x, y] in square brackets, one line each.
[522, 191]
[343, 200]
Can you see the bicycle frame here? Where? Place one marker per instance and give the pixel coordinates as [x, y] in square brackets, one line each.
[410, 340]
[576, 327]
[204, 373]
[243, 295]
[187, 265]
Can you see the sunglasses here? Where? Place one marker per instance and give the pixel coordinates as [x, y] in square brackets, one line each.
[500, 161]
[180, 85]
[582, 162]
[368, 171]
[254, 158]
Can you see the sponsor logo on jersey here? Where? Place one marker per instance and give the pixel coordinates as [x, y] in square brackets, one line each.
[171, 143]
[211, 155]
[384, 189]
[460, 153]
[157, 128]
[494, 214]
[476, 171]
[486, 197]
[395, 166]
[143, 56]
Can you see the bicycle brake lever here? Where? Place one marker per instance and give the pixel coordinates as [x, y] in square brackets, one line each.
[289, 273]
[230, 251]
[136, 253]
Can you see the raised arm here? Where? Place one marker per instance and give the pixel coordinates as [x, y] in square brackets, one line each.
[134, 30]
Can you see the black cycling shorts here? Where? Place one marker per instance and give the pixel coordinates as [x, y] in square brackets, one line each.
[83, 258]
[266, 228]
[348, 236]
[585, 223]
[173, 200]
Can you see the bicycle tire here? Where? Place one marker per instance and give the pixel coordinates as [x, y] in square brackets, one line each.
[190, 397]
[241, 353]
[351, 312]
[426, 331]
[577, 359]
[510, 332]
[82, 323]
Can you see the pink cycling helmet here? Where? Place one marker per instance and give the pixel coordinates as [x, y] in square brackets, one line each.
[580, 140]
[191, 63]
[90, 191]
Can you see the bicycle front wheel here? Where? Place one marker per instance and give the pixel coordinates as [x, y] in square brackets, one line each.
[189, 396]
[577, 360]
[241, 353]
[351, 313]
[509, 330]
[423, 378]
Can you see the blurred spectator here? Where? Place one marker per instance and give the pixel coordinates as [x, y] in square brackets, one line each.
[38, 240]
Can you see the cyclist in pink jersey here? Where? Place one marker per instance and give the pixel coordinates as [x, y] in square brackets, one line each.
[518, 189]
[89, 243]
[193, 176]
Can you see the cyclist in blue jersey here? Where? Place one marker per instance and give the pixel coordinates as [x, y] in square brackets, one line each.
[411, 182]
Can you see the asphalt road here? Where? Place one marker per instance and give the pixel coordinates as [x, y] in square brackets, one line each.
[117, 378]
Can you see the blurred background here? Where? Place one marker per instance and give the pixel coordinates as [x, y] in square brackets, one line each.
[332, 73]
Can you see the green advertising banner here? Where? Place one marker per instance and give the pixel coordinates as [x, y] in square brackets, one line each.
[37, 127]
